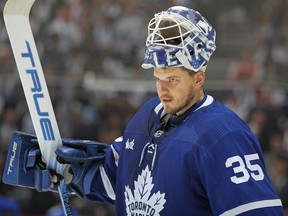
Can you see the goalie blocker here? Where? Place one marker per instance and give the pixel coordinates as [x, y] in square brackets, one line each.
[24, 166]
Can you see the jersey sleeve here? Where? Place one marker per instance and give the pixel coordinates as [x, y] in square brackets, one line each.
[234, 177]
[104, 182]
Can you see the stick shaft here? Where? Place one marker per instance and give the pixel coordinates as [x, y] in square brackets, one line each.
[16, 17]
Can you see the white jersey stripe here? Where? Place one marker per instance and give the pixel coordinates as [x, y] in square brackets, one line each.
[116, 155]
[209, 100]
[251, 206]
[158, 108]
[107, 183]
[119, 139]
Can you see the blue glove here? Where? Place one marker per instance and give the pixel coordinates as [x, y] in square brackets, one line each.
[24, 166]
[84, 158]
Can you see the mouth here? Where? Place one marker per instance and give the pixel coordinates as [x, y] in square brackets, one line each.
[166, 100]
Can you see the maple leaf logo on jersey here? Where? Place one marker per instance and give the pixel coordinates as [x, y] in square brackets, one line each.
[141, 201]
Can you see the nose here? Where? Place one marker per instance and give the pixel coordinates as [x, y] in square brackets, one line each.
[162, 86]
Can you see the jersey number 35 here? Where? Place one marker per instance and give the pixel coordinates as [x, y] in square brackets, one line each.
[244, 168]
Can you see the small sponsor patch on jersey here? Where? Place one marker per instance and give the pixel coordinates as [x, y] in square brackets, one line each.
[158, 133]
[130, 144]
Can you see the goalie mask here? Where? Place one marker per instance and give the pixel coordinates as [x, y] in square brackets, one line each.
[179, 37]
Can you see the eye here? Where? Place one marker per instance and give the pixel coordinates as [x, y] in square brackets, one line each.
[173, 80]
[157, 79]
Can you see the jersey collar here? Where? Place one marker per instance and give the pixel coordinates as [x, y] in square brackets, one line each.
[174, 120]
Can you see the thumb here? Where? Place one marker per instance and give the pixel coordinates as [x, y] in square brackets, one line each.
[70, 155]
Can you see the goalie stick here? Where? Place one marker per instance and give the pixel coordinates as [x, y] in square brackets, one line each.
[16, 17]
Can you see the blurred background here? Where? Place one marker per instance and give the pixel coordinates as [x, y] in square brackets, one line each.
[91, 53]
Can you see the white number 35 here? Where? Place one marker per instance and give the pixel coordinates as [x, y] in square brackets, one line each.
[245, 168]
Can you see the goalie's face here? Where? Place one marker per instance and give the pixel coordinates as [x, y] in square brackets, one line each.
[178, 89]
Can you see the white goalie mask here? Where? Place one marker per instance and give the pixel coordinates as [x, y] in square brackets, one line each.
[179, 37]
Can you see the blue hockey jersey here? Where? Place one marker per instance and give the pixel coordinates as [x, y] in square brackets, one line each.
[206, 162]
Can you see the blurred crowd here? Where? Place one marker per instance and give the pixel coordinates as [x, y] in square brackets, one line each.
[96, 39]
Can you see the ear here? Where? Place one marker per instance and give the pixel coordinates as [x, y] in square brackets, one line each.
[200, 78]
